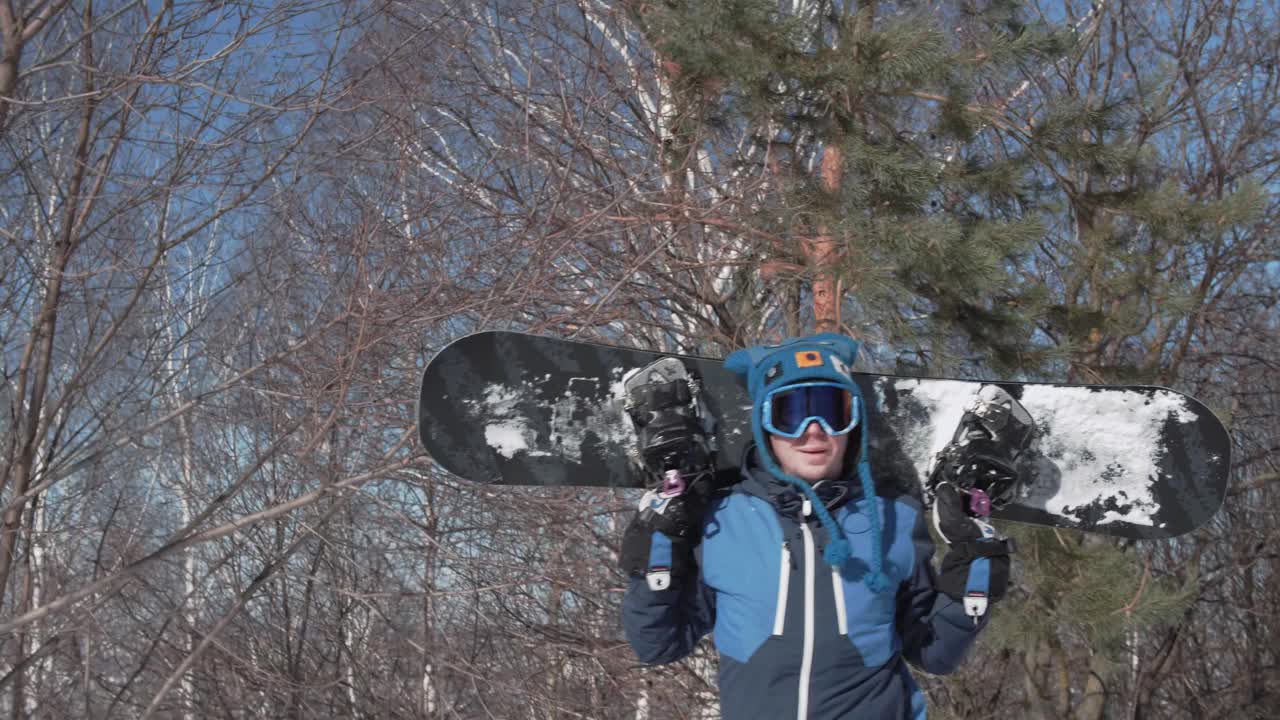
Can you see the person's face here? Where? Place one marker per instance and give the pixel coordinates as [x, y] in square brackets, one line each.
[813, 456]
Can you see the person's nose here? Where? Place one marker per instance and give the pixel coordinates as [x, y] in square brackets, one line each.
[813, 429]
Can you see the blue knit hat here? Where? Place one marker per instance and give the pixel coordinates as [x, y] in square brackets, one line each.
[825, 357]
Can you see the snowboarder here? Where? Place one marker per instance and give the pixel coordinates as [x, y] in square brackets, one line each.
[818, 589]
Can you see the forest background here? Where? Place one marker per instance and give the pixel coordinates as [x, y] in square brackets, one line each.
[234, 232]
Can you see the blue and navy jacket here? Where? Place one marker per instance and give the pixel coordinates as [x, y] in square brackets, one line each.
[798, 638]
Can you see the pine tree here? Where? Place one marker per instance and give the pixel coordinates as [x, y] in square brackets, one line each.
[865, 121]
[1129, 276]
[1044, 243]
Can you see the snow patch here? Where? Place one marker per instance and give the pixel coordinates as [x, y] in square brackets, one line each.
[505, 430]
[1111, 516]
[1105, 446]
[508, 438]
[944, 402]
[584, 412]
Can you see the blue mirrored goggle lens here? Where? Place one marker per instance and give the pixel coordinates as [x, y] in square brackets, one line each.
[791, 409]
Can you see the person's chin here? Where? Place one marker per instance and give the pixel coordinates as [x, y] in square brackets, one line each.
[813, 472]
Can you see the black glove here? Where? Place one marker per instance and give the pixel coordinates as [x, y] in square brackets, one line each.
[975, 569]
[676, 449]
[658, 544]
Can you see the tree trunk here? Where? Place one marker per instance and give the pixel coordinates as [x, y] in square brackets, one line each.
[821, 253]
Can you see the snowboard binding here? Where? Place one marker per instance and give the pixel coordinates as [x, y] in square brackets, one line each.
[986, 455]
[676, 445]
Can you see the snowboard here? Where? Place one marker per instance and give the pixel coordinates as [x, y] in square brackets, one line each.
[1139, 462]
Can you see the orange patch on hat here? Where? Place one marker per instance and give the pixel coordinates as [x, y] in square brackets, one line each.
[808, 359]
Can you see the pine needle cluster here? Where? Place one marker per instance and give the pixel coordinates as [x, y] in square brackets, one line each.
[1083, 591]
[930, 217]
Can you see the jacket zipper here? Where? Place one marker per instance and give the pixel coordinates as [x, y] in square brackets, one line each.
[837, 586]
[784, 578]
[806, 662]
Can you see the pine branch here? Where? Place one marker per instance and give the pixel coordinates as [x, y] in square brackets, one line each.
[1092, 17]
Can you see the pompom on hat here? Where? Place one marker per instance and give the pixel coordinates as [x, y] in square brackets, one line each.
[825, 357]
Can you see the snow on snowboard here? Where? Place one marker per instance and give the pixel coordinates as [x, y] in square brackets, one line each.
[1131, 461]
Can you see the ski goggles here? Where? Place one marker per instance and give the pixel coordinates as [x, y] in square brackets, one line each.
[788, 410]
